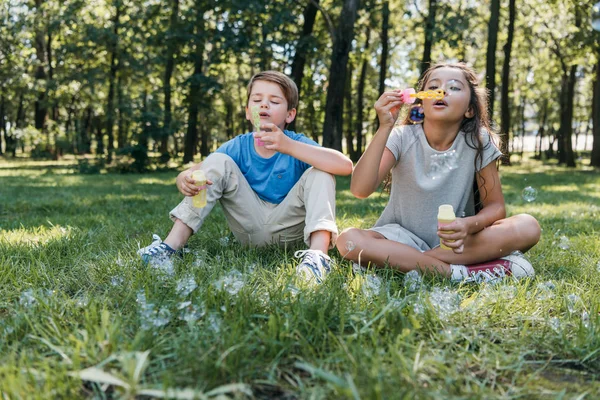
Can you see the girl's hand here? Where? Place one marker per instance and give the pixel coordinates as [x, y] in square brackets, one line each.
[187, 185]
[274, 138]
[454, 234]
[388, 107]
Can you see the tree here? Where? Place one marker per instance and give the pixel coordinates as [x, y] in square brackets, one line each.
[429, 34]
[505, 103]
[342, 43]
[490, 69]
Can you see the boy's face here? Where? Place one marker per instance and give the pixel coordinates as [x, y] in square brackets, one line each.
[271, 103]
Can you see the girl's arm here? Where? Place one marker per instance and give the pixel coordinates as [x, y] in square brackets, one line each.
[492, 198]
[493, 210]
[377, 160]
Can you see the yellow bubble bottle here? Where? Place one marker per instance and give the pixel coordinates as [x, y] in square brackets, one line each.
[445, 216]
[199, 200]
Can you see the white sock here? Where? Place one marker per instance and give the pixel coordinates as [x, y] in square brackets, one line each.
[459, 272]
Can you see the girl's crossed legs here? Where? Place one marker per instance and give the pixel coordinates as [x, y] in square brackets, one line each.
[519, 232]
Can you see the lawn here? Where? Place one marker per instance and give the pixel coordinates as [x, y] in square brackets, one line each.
[81, 317]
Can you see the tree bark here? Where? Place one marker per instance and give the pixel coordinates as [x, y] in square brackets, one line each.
[342, 43]
[429, 33]
[385, 27]
[349, 117]
[3, 132]
[114, 67]
[171, 50]
[191, 136]
[302, 48]
[358, 127]
[595, 158]
[40, 72]
[505, 103]
[490, 69]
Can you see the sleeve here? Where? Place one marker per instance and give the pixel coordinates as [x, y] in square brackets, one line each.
[394, 142]
[232, 148]
[490, 150]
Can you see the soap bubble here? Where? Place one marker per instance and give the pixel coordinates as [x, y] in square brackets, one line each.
[412, 280]
[572, 301]
[232, 283]
[350, 245]
[27, 298]
[564, 243]
[596, 17]
[529, 194]
[585, 319]
[186, 285]
[441, 163]
[371, 286]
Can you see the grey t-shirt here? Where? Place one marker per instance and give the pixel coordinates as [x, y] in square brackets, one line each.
[424, 178]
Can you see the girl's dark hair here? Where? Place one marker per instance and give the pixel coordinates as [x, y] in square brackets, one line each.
[472, 127]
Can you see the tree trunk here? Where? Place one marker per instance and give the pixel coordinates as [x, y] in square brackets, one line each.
[342, 43]
[3, 132]
[171, 50]
[429, 32]
[191, 136]
[302, 49]
[304, 45]
[114, 67]
[567, 123]
[358, 127]
[505, 103]
[595, 158]
[490, 69]
[541, 129]
[85, 136]
[40, 72]
[349, 117]
[385, 27]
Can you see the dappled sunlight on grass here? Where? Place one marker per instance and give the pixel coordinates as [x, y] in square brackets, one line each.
[36, 236]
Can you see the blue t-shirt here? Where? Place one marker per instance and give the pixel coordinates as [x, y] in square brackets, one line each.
[271, 178]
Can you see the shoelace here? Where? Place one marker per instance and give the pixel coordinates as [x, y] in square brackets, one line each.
[160, 249]
[488, 275]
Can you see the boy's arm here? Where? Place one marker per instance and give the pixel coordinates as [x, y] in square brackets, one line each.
[328, 160]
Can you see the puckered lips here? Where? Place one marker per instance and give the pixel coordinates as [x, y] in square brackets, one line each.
[440, 103]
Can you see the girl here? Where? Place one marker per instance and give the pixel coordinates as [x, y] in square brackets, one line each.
[406, 236]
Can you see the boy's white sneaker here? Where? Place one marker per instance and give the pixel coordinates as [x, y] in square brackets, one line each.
[157, 250]
[315, 265]
[514, 264]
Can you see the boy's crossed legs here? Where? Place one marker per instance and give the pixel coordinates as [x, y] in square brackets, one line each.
[307, 212]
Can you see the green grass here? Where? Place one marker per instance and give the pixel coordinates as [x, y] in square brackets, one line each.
[70, 278]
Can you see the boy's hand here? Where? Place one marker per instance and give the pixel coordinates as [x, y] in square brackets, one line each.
[187, 185]
[388, 107]
[274, 138]
[456, 231]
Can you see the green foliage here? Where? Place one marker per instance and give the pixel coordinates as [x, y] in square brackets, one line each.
[80, 313]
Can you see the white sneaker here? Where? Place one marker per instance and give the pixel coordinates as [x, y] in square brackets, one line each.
[157, 250]
[514, 264]
[315, 265]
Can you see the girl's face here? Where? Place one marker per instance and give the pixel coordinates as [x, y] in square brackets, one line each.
[271, 103]
[454, 107]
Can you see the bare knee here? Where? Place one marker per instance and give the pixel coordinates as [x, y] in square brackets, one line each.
[527, 230]
[348, 243]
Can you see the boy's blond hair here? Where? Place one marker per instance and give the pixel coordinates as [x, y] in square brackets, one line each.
[287, 85]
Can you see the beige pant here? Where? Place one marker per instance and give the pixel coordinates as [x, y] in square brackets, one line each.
[307, 208]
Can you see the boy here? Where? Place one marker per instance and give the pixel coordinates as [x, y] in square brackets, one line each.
[265, 184]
